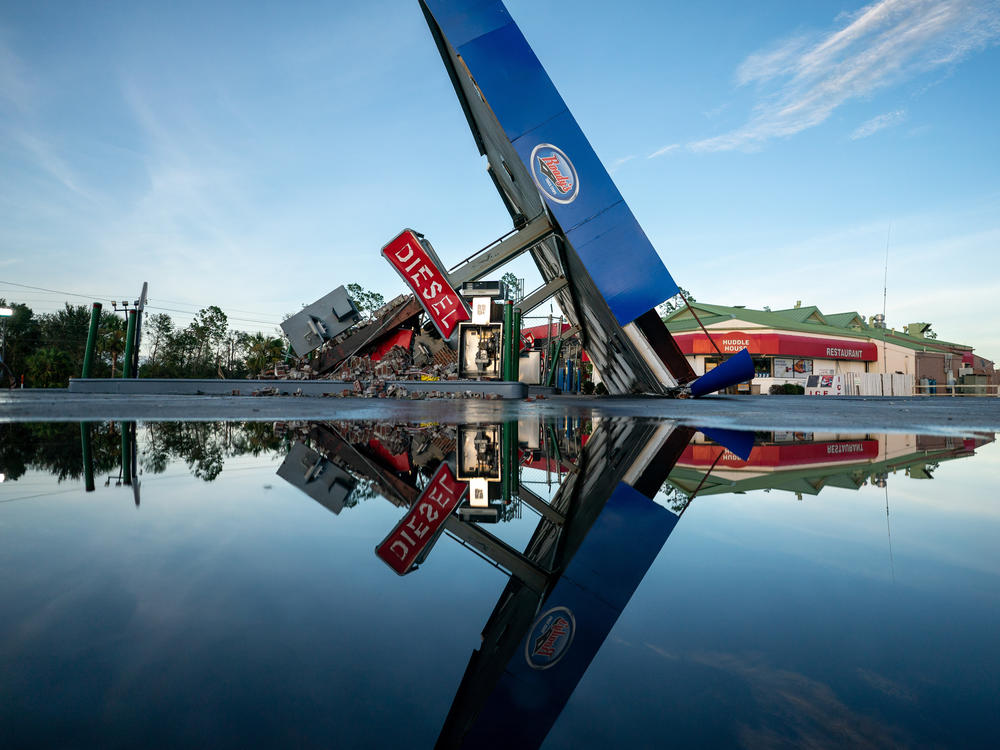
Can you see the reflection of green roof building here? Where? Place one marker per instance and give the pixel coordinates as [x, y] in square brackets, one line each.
[806, 463]
[791, 344]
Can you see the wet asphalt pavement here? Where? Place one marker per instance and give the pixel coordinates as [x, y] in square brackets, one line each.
[930, 415]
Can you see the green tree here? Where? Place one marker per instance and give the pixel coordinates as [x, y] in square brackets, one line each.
[366, 301]
[21, 333]
[111, 340]
[260, 351]
[513, 286]
[674, 303]
[66, 330]
[50, 367]
[157, 331]
[209, 331]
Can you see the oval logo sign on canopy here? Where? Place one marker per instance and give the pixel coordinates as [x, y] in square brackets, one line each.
[554, 173]
[550, 638]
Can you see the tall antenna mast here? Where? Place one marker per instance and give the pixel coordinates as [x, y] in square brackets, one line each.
[885, 287]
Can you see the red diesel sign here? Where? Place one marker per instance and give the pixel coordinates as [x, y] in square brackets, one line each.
[778, 343]
[420, 269]
[421, 525]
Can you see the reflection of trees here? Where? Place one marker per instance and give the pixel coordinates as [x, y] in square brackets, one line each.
[676, 499]
[204, 446]
[54, 447]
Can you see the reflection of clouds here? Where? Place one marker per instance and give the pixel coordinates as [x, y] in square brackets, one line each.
[795, 711]
[884, 685]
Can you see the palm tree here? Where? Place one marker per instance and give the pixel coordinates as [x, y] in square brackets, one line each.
[262, 351]
[112, 343]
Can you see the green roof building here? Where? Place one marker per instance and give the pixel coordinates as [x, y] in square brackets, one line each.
[790, 345]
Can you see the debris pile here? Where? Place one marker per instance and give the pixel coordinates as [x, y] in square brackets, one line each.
[370, 359]
[424, 443]
[429, 359]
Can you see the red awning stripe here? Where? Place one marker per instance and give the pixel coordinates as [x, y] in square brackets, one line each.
[782, 455]
[779, 344]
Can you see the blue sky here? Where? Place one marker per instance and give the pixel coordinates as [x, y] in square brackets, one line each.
[256, 155]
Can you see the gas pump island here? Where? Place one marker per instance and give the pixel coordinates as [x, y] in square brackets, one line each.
[594, 258]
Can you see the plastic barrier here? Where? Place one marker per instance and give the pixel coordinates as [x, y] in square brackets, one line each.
[734, 370]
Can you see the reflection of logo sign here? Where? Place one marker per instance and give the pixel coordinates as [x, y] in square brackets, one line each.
[550, 638]
[554, 173]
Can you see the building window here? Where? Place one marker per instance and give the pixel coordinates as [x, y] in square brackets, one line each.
[787, 367]
[762, 367]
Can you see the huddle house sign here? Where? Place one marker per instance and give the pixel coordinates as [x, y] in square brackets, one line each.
[736, 342]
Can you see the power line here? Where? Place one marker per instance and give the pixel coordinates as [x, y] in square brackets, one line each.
[192, 304]
[187, 312]
[56, 291]
[112, 298]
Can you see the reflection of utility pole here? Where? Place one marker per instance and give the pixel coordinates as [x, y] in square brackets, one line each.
[129, 466]
[888, 531]
[88, 456]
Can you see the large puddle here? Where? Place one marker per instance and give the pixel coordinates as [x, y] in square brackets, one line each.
[568, 583]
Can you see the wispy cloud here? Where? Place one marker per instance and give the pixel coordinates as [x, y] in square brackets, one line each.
[617, 163]
[665, 150]
[881, 122]
[14, 85]
[802, 80]
[47, 158]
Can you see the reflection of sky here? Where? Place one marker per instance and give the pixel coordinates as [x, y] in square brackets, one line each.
[767, 620]
[227, 612]
[241, 612]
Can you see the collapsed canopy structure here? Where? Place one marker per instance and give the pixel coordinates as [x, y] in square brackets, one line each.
[582, 235]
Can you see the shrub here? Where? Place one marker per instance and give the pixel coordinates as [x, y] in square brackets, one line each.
[786, 389]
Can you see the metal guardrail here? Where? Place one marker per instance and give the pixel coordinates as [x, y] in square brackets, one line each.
[956, 390]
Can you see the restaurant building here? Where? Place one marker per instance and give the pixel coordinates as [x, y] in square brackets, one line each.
[790, 345]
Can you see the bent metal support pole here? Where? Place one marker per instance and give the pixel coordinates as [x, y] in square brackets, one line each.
[88, 356]
[506, 357]
[496, 255]
[515, 346]
[542, 294]
[127, 368]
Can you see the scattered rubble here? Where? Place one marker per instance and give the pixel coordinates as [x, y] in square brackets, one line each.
[430, 360]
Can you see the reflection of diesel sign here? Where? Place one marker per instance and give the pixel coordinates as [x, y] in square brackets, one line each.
[845, 448]
[833, 351]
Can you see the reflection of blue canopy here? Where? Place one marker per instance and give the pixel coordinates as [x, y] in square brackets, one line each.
[574, 622]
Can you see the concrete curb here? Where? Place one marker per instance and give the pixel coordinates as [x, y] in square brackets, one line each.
[313, 388]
